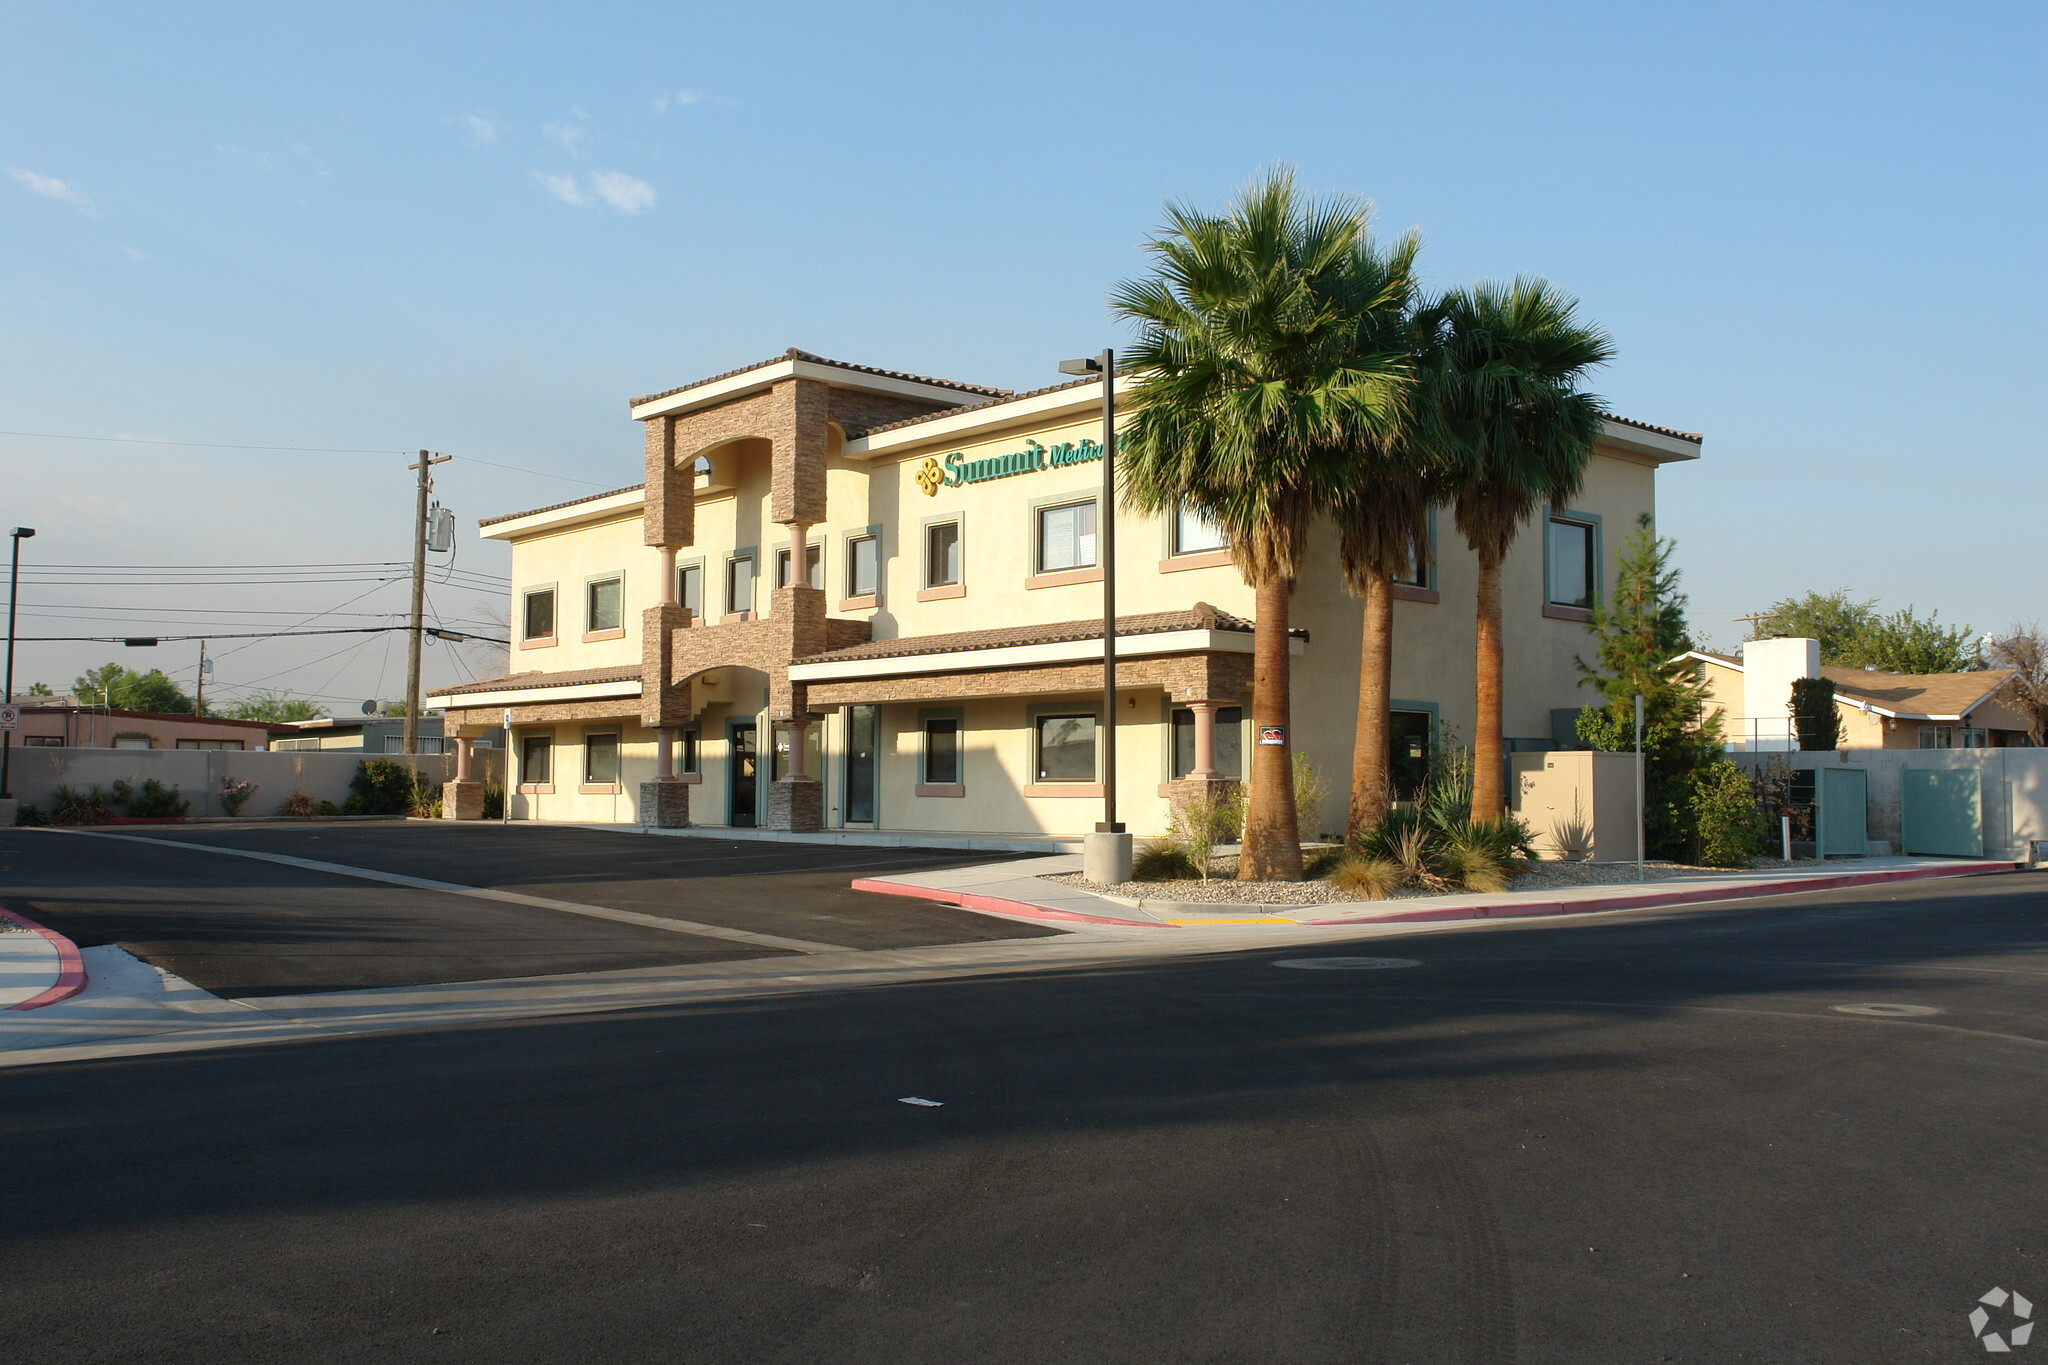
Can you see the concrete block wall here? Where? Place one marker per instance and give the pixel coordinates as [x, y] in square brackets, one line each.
[197, 773]
[2015, 788]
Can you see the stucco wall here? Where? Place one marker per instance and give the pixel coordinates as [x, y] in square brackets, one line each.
[2014, 794]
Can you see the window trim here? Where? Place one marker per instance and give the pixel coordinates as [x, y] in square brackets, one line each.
[683, 566]
[1088, 790]
[752, 554]
[1560, 611]
[1173, 549]
[524, 738]
[925, 786]
[1042, 577]
[590, 786]
[554, 635]
[929, 591]
[850, 600]
[689, 753]
[591, 633]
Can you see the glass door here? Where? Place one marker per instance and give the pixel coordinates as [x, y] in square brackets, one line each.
[863, 738]
[743, 788]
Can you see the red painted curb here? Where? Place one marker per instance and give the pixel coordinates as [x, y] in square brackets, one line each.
[1650, 900]
[997, 905]
[70, 966]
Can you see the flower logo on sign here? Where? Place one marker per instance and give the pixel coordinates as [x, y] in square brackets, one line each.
[930, 476]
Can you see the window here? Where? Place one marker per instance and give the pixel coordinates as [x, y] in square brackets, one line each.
[1066, 537]
[601, 758]
[1569, 558]
[1937, 737]
[295, 745]
[131, 741]
[539, 616]
[210, 744]
[942, 752]
[739, 583]
[606, 608]
[43, 741]
[1229, 741]
[942, 554]
[814, 563]
[536, 760]
[1974, 738]
[689, 747]
[1066, 748]
[690, 588]
[1193, 535]
[863, 566]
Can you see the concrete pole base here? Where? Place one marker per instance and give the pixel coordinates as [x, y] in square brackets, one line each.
[10, 811]
[1106, 858]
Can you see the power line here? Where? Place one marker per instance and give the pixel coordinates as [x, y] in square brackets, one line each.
[243, 635]
[304, 450]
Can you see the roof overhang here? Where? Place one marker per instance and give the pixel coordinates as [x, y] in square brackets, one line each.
[1026, 656]
[541, 695]
[607, 508]
[1654, 446]
[766, 376]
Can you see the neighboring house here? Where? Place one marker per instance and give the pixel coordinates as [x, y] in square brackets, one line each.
[1752, 692]
[100, 727]
[368, 734]
[851, 598]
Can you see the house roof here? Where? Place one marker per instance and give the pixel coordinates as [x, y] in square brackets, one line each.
[1909, 696]
[534, 678]
[1201, 616]
[794, 354]
[271, 727]
[558, 506]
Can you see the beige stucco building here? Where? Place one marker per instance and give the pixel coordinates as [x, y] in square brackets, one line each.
[848, 598]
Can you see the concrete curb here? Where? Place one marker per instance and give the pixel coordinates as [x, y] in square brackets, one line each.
[996, 905]
[70, 967]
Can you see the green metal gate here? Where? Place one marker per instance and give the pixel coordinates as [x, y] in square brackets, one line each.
[1941, 812]
[1841, 820]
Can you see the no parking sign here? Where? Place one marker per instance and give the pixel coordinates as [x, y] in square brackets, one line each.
[10, 717]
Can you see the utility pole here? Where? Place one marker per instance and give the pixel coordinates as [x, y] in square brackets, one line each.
[414, 635]
[1755, 617]
[199, 693]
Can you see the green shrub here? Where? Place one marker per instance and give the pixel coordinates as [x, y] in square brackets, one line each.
[69, 806]
[379, 787]
[1309, 791]
[155, 801]
[1199, 825]
[1164, 859]
[1364, 875]
[299, 806]
[329, 808]
[1729, 827]
[30, 814]
[494, 801]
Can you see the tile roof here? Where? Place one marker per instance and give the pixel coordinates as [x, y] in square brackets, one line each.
[558, 506]
[794, 354]
[1692, 436]
[535, 678]
[976, 407]
[1201, 616]
[1917, 694]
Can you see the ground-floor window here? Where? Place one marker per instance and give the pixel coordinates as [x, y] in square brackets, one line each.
[942, 751]
[1229, 741]
[210, 744]
[143, 741]
[536, 759]
[1066, 748]
[689, 755]
[43, 741]
[1937, 737]
[1408, 758]
[601, 758]
[1973, 738]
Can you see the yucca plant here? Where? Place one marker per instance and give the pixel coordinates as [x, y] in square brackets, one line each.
[1370, 877]
[1164, 859]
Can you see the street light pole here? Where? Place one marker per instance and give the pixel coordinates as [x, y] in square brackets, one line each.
[17, 535]
[1107, 857]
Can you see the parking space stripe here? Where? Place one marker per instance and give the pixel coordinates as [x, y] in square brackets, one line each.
[674, 926]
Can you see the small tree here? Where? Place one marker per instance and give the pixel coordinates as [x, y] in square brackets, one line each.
[1814, 716]
[1724, 812]
[2024, 650]
[126, 690]
[274, 706]
[1641, 639]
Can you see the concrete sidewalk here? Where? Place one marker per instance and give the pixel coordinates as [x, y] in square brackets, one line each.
[1019, 890]
[38, 966]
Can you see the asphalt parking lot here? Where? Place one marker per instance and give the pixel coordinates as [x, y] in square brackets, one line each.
[243, 928]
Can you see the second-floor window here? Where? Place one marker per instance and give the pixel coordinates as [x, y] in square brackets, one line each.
[1066, 537]
[1568, 558]
[814, 565]
[739, 583]
[690, 588]
[1192, 535]
[538, 617]
[942, 554]
[863, 566]
[606, 609]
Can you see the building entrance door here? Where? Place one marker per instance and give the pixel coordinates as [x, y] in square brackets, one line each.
[742, 788]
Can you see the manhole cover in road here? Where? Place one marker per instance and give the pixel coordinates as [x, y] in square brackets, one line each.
[1887, 1011]
[1346, 964]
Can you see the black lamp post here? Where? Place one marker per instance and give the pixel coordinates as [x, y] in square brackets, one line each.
[1110, 840]
[17, 535]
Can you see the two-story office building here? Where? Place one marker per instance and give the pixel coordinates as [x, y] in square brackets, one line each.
[848, 598]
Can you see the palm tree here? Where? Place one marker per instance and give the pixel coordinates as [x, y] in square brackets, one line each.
[1382, 521]
[1249, 398]
[1507, 363]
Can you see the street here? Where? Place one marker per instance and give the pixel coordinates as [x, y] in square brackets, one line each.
[1649, 1136]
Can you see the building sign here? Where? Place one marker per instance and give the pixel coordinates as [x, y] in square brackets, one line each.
[957, 469]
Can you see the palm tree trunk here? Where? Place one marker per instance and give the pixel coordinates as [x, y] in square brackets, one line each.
[1488, 764]
[1272, 844]
[1370, 778]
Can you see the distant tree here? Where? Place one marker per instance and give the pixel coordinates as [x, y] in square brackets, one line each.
[2024, 650]
[40, 689]
[1831, 618]
[275, 707]
[1640, 637]
[126, 690]
[1815, 718]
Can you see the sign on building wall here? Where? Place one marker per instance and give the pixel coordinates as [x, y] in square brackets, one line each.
[1034, 458]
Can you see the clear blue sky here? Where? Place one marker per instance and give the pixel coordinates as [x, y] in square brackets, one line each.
[1815, 231]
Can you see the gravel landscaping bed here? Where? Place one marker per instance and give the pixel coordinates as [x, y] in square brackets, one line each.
[1222, 888]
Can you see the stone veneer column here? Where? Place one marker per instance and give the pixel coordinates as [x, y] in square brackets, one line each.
[462, 799]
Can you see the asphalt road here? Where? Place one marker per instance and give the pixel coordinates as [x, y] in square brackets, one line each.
[245, 929]
[1651, 1137]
